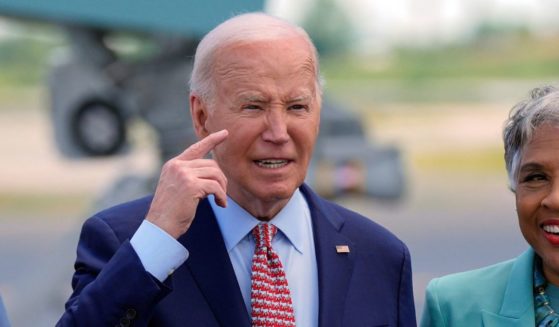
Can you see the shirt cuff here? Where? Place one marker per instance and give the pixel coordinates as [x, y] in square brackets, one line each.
[159, 252]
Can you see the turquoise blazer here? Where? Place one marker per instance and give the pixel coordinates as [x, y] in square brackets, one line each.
[500, 295]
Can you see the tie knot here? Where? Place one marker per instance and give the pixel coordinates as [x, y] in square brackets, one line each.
[263, 234]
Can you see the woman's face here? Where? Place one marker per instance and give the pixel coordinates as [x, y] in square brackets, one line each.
[537, 197]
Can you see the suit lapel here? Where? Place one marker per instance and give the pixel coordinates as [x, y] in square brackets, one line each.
[334, 269]
[211, 268]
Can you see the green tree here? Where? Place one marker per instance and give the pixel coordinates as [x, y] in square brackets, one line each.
[329, 27]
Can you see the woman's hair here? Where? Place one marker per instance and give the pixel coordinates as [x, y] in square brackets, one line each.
[541, 107]
[240, 29]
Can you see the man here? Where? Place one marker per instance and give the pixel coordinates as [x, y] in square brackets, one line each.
[255, 104]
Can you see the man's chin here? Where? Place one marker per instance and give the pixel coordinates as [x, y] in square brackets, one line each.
[279, 191]
[275, 195]
[265, 195]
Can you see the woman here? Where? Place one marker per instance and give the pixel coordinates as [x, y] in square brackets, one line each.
[523, 291]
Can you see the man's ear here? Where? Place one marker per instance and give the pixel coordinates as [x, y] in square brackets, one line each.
[199, 114]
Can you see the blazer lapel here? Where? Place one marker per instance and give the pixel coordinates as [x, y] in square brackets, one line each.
[211, 268]
[334, 268]
[515, 310]
[495, 320]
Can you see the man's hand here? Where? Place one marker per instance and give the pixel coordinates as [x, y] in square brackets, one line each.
[184, 181]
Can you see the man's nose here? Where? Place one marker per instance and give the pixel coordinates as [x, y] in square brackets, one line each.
[276, 127]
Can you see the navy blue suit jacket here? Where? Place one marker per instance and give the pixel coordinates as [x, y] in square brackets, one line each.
[369, 286]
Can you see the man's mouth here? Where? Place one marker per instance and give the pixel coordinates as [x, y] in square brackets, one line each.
[271, 163]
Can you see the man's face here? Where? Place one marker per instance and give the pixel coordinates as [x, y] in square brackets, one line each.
[266, 97]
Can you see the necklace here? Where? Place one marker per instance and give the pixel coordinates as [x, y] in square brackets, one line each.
[545, 315]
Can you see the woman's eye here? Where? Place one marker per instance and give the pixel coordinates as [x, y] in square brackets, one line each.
[535, 178]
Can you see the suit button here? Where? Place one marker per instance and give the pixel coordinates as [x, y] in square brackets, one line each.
[124, 322]
[130, 313]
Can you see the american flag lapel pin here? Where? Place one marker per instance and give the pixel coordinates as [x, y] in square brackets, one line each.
[342, 249]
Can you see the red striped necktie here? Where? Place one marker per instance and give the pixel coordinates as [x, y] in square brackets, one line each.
[269, 296]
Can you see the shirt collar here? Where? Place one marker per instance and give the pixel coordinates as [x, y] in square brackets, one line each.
[235, 222]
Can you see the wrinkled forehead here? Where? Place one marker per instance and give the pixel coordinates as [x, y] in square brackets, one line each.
[265, 57]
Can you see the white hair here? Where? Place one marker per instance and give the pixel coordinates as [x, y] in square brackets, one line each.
[250, 27]
[542, 107]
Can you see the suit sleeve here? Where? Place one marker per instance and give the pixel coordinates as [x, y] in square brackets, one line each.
[406, 307]
[110, 284]
[432, 315]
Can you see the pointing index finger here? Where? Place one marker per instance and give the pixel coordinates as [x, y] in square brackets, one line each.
[201, 148]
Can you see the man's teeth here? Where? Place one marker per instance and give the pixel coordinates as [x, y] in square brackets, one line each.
[269, 163]
[554, 229]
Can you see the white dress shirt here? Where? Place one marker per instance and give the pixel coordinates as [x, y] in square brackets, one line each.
[161, 254]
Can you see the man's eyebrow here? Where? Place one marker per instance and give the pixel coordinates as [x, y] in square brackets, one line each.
[252, 98]
[300, 98]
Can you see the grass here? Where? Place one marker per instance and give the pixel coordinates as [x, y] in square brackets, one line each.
[23, 61]
[504, 57]
[485, 70]
[43, 204]
[474, 160]
[435, 73]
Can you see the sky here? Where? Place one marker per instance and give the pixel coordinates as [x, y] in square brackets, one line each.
[381, 24]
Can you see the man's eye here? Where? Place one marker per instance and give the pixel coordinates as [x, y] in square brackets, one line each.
[251, 107]
[298, 107]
